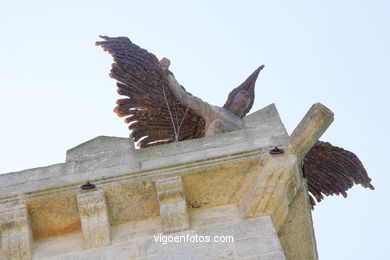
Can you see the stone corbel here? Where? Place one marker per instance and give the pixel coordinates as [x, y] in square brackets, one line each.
[95, 224]
[274, 187]
[16, 238]
[173, 206]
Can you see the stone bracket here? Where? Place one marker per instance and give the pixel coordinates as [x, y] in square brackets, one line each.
[275, 186]
[173, 205]
[16, 238]
[95, 224]
[272, 190]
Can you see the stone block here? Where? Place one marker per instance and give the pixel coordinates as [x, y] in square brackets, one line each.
[98, 147]
[222, 251]
[173, 205]
[271, 256]
[250, 228]
[223, 215]
[154, 247]
[15, 231]
[257, 246]
[95, 224]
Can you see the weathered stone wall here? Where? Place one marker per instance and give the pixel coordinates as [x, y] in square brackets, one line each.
[228, 184]
[253, 239]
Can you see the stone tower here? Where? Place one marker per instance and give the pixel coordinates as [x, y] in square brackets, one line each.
[163, 202]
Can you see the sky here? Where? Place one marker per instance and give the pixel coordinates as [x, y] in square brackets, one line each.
[55, 92]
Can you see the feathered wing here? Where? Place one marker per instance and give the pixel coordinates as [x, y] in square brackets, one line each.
[151, 109]
[332, 170]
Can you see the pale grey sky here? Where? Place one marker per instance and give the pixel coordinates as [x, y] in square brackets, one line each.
[55, 92]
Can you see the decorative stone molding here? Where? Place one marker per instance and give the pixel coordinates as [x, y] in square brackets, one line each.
[173, 206]
[15, 229]
[95, 224]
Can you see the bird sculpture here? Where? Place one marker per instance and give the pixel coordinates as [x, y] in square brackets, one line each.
[159, 111]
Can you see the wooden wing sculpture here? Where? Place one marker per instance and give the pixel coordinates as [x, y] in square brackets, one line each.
[150, 106]
[157, 117]
[332, 170]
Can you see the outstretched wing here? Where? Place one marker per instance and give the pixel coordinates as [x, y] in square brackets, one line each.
[154, 114]
[332, 170]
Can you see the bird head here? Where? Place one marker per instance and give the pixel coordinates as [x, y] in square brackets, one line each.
[240, 99]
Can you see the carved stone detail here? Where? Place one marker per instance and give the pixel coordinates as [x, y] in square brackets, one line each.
[95, 224]
[173, 205]
[15, 229]
[273, 188]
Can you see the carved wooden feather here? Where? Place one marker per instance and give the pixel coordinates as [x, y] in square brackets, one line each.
[332, 170]
[141, 79]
